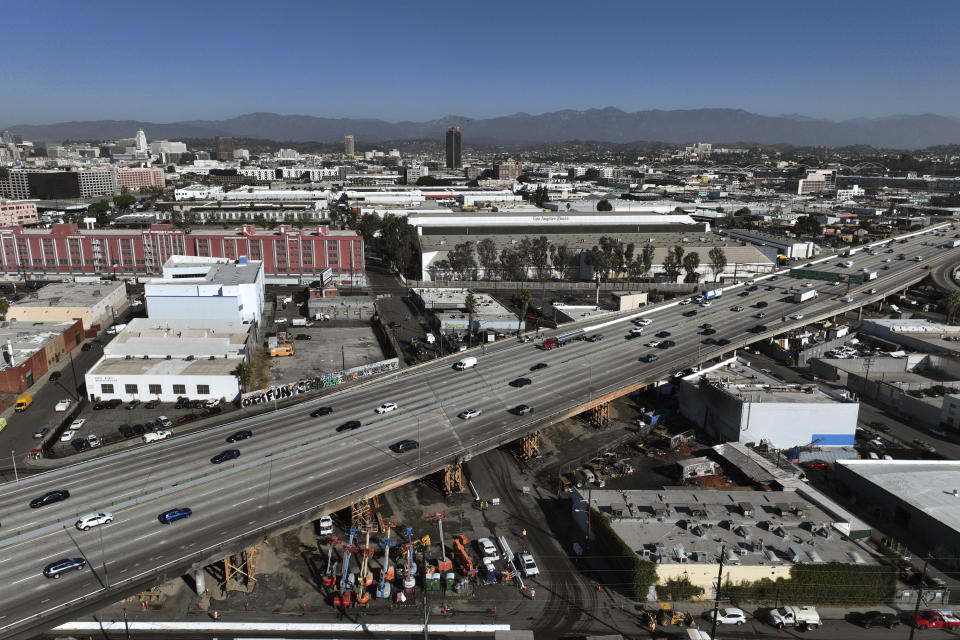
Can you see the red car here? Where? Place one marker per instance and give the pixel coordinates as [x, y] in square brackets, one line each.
[816, 465]
[933, 620]
[549, 343]
[190, 417]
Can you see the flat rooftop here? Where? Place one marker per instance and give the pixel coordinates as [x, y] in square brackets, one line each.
[26, 338]
[927, 485]
[452, 299]
[180, 338]
[209, 270]
[163, 367]
[72, 294]
[747, 384]
[760, 527]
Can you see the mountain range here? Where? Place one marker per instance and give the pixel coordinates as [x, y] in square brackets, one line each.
[720, 126]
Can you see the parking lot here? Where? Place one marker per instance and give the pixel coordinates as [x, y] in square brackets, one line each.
[330, 347]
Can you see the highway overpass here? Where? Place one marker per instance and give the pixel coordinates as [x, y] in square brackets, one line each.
[296, 467]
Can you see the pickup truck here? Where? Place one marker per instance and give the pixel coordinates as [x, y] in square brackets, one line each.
[867, 619]
[153, 436]
[799, 617]
[934, 620]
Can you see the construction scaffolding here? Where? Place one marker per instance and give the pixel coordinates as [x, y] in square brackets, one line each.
[530, 446]
[239, 570]
[360, 514]
[600, 415]
[453, 478]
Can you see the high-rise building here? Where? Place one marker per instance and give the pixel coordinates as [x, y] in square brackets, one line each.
[454, 148]
[224, 148]
[348, 146]
[141, 140]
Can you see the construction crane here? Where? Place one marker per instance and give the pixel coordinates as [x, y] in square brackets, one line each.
[460, 543]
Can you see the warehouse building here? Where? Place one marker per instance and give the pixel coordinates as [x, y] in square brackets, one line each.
[96, 304]
[163, 359]
[450, 315]
[31, 349]
[207, 288]
[734, 402]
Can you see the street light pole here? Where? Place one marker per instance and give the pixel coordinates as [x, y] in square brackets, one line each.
[13, 458]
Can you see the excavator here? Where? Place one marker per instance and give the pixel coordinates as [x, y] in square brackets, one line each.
[460, 543]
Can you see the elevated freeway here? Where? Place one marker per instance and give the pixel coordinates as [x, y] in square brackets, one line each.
[296, 467]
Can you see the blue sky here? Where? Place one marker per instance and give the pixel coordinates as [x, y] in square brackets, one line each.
[173, 60]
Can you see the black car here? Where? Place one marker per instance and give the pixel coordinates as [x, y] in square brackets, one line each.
[49, 498]
[867, 619]
[126, 431]
[521, 382]
[597, 337]
[349, 426]
[132, 404]
[708, 332]
[691, 313]
[55, 376]
[663, 334]
[303, 336]
[722, 342]
[666, 344]
[709, 341]
[151, 404]
[102, 404]
[321, 411]
[86, 346]
[62, 566]
[538, 366]
[522, 409]
[211, 411]
[139, 429]
[223, 456]
[243, 434]
[761, 305]
[706, 325]
[743, 294]
[404, 445]
[760, 328]
[80, 444]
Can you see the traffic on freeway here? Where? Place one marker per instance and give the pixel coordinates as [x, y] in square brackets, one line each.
[181, 502]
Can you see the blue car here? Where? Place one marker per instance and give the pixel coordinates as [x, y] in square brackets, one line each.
[174, 514]
[224, 456]
[62, 566]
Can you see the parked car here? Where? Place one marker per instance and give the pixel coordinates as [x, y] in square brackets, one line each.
[93, 440]
[175, 514]
[326, 525]
[67, 435]
[39, 433]
[729, 615]
[63, 405]
[243, 434]
[303, 336]
[816, 465]
[164, 421]
[153, 436]
[190, 417]
[867, 619]
[50, 497]
[133, 404]
[126, 431]
[386, 407]
[152, 404]
[62, 566]
[487, 548]
[80, 444]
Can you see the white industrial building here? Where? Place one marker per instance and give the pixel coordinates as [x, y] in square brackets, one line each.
[734, 402]
[197, 192]
[450, 311]
[161, 359]
[207, 288]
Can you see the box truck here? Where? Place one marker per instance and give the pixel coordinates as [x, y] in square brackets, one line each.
[803, 296]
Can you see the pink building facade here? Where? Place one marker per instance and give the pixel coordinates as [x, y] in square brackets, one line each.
[137, 179]
[17, 212]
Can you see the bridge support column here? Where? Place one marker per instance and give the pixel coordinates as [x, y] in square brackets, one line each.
[600, 415]
[239, 570]
[530, 446]
[453, 478]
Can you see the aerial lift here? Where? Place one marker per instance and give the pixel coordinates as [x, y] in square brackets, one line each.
[345, 599]
[386, 573]
[330, 575]
[460, 543]
[444, 564]
[410, 569]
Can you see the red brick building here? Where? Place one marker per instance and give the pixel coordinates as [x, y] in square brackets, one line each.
[285, 251]
[29, 350]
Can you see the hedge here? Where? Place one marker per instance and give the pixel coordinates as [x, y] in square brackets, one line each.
[832, 583]
[641, 574]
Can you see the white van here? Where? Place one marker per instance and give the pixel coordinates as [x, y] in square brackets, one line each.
[847, 263]
[465, 363]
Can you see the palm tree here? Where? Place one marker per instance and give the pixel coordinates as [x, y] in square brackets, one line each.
[470, 302]
[952, 304]
[524, 297]
[243, 373]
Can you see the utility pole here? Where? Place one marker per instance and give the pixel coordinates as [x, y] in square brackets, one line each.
[916, 608]
[716, 600]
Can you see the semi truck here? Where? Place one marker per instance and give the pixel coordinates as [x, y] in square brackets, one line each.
[803, 296]
[800, 617]
[709, 295]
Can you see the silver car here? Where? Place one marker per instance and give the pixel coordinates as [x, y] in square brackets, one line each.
[470, 413]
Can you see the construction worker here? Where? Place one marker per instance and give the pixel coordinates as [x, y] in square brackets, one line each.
[524, 532]
[533, 594]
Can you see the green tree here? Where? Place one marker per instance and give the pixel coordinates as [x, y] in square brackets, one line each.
[563, 259]
[691, 262]
[742, 211]
[538, 255]
[461, 260]
[540, 196]
[952, 306]
[4, 173]
[511, 264]
[243, 371]
[523, 297]
[4, 307]
[470, 302]
[489, 259]
[99, 207]
[718, 261]
[368, 226]
[401, 246]
[604, 205]
[646, 258]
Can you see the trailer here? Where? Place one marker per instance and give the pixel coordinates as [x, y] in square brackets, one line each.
[561, 340]
[709, 295]
[869, 275]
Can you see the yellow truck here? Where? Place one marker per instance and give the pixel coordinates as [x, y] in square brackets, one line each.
[23, 402]
[282, 350]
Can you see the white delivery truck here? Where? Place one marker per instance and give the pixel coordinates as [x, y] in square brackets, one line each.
[800, 617]
[465, 363]
[803, 296]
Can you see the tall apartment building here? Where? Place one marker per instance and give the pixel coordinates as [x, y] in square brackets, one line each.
[507, 170]
[285, 251]
[137, 179]
[84, 183]
[454, 148]
[225, 148]
[348, 147]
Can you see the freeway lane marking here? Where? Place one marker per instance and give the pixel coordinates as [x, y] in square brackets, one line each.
[22, 580]
[245, 501]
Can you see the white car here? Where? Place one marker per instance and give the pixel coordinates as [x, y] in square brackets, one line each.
[488, 548]
[78, 423]
[653, 343]
[470, 413]
[730, 615]
[527, 564]
[165, 421]
[685, 301]
[706, 303]
[736, 308]
[153, 436]
[67, 435]
[386, 407]
[643, 321]
[93, 440]
[326, 526]
[797, 316]
[94, 519]
[212, 402]
[63, 405]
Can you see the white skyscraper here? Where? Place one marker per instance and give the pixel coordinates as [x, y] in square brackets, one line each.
[141, 140]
